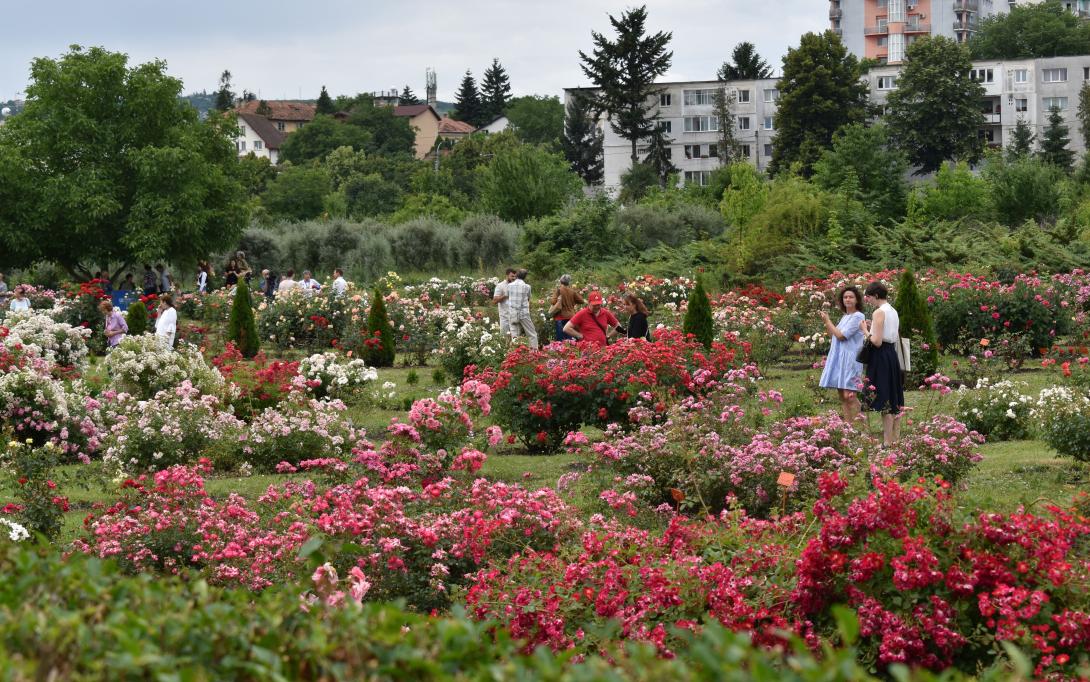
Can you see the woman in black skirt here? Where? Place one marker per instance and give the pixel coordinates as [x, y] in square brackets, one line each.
[884, 370]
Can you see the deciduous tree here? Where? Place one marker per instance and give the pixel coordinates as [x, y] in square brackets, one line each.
[1043, 29]
[537, 119]
[624, 72]
[820, 92]
[934, 114]
[527, 182]
[864, 164]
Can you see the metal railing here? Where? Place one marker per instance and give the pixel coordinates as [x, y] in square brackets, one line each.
[967, 5]
[835, 13]
[875, 30]
[917, 28]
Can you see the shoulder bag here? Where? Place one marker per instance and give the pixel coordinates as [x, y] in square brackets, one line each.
[863, 357]
[604, 332]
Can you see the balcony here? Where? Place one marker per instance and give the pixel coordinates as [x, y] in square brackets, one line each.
[967, 26]
[875, 30]
[991, 118]
[966, 5]
[839, 32]
[917, 28]
[835, 13]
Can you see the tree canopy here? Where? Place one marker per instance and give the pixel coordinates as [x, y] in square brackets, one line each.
[467, 101]
[745, 64]
[495, 92]
[820, 92]
[527, 182]
[537, 119]
[582, 142]
[106, 165]
[934, 114]
[325, 103]
[369, 128]
[1045, 29]
[864, 165]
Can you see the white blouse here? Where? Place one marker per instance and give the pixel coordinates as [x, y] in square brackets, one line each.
[165, 327]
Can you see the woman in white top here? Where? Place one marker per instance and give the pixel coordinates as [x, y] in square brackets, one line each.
[166, 325]
[884, 370]
[202, 277]
[20, 302]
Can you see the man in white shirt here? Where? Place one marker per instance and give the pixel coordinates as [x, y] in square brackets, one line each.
[287, 284]
[309, 285]
[499, 297]
[518, 309]
[340, 286]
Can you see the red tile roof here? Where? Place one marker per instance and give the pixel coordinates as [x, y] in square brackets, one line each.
[272, 137]
[449, 126]
[280, 110]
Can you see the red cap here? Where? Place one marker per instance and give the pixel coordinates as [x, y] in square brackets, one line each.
[594, 298]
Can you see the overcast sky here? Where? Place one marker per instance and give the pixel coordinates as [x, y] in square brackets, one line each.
[290, 49]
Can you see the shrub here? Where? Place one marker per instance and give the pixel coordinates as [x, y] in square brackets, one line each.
[998, 411]
[258, 383]
[425, 244]
[325, 377]
[698, 316]
[309, 320]
[487, 241]
[141, 367]
[38, 408]
[241, 329]
[915, 321]
[1062, 415]
[137, 317]
[379, 347]
[57, 343]
[30, 472]
[474, 340]
[294, 431]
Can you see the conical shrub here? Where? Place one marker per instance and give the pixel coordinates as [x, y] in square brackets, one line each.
[241, 328]
[380, 346]
[137, 318]
[916, 326]
[698, 317]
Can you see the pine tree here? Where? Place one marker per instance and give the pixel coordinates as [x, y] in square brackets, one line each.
[225, 97]
[1021, 144]
[467, 103]
[1054, 142]
[624, 74]
[325, 103]
[137, 318]
[408, 97]
[747, 66]
[916, 325]
[727, 148]
[658, 156]
[380, 349]
[495, 92]
[582, 141]
[698, 317]
[241, 328]
[1084, 113]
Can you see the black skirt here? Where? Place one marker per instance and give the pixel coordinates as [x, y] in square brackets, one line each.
[884, 379]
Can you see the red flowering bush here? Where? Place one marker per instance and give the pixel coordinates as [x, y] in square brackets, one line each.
[261, 383]
[541, 395]
[933, 594]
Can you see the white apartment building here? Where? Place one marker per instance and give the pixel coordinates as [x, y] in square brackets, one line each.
[686, 111]
[1017, 89]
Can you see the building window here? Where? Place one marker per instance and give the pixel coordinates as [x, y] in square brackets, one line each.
[743, 96]
[1021, 104]
[1021, 75]
[280, 126]
[666, 126]
[743, 123]
[883, 41]
[664, 99]
[887, 82]
[701, 124]
[1054, 75]
[982, 75]
[1051, 103]
[744, 151]
[697, 177]
[713, 151]
[701, 151]
[1086, 73]
[697, 97]
[896, 51]
[768, 151]
[257, 145]
[772, 95]
[768, 123]
[242, 145]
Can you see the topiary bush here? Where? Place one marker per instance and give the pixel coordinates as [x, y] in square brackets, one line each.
[241, 328]
[379, 349]
[137, 317]
[916, 326]
[698, 316]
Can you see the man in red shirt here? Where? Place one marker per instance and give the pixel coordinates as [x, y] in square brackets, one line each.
[591, 323]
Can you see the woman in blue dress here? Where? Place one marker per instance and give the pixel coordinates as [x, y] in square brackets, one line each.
[842, 372]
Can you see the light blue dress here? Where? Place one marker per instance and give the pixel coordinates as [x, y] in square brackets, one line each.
[841, 369]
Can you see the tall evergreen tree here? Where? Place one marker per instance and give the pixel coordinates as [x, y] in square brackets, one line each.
[624, 72]
[698, 317]
[1054, 141]
[727, 147]
[1022, 138]
[1084, 113]
[916, 325]
[659, 155]
[820, 93]
[379, 347]
[934, 114]
[408, 97]
[225, 97]
[747, 65]
[325, 103]
[241, 328]
[467, 102]
[582, 141]
[495, 92]
[263, 108]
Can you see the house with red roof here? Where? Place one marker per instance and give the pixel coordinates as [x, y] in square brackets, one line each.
[430, 126]
[258, 135]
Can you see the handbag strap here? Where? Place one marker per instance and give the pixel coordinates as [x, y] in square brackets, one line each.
[604, 332]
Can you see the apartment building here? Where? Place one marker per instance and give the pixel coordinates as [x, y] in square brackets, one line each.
[1017, 89]
[686, 112]
[883, 29]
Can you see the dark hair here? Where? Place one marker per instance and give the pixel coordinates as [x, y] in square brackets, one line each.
[168, 299]
[521, 274]
[510, 270]
[290, 273]
[636, 302]
[840, 298]
[338, 272]
[877, 290]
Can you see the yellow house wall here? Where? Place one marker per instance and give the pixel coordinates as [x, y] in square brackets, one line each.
[427, 129]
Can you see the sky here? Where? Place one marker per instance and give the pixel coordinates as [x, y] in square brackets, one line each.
[282, 49]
